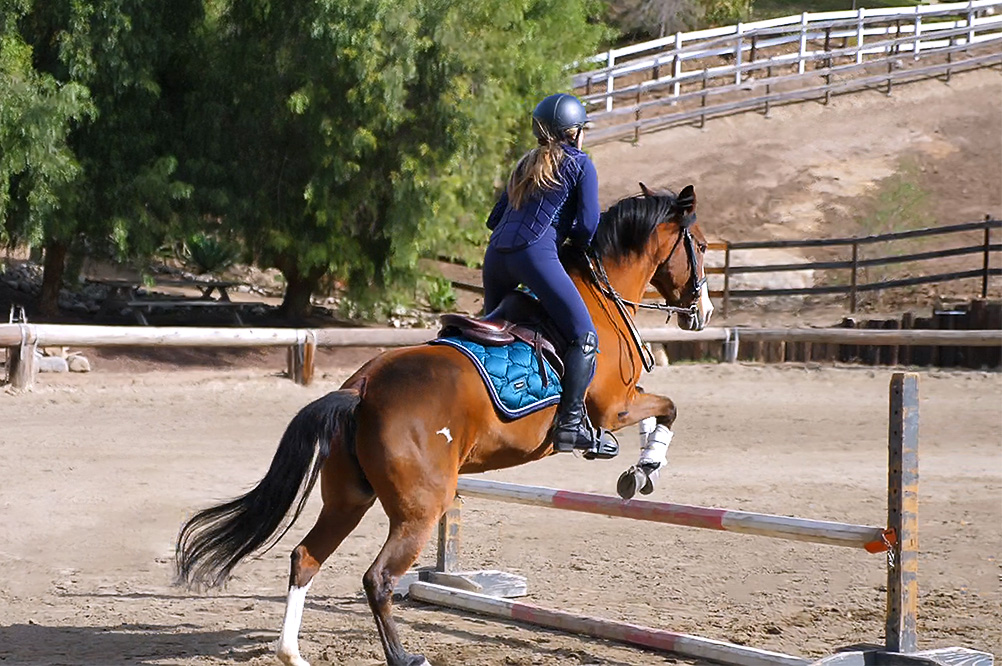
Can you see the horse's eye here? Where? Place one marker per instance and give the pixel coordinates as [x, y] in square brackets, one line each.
[702, 247]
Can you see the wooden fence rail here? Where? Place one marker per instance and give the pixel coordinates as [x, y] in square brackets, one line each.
[854, 287]
[22, 340]
[693, 76]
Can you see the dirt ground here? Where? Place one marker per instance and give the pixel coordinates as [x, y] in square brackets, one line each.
[100, 470]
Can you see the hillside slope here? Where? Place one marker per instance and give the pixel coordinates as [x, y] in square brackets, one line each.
[929, 154]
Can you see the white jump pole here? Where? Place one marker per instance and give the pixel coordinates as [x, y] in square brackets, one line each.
[744, 522]
[657, 639]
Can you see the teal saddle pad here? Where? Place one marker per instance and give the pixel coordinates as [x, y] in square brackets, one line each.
[511, 373]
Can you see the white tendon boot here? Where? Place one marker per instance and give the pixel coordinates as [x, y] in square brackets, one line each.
[654, 441]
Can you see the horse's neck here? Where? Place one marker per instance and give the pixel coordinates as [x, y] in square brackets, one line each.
[630, 280]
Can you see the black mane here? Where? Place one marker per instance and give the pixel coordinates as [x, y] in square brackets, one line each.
[627, 225]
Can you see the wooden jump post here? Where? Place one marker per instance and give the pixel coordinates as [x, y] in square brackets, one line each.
[899, 539]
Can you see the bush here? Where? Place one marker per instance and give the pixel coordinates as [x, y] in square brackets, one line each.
[208, 254]
[441, 295]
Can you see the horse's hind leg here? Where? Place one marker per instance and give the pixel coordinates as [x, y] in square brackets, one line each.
[414, 510]
[347, 496]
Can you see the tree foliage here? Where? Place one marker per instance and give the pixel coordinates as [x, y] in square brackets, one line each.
[652, 19]
[348, 137]
[336, 139]
[100, 69]
[37, 113]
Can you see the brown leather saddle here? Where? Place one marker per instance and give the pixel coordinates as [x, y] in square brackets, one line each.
[519, 317]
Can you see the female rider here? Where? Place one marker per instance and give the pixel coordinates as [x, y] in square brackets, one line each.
[552, 197]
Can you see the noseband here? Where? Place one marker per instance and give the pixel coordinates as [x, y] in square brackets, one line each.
[601, 280]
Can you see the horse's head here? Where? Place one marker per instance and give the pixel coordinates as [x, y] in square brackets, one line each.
[661, 226]
[680, 276]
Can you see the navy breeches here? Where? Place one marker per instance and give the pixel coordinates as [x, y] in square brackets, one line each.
[538, 268]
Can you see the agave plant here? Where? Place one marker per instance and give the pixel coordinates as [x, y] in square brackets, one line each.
[204, 253]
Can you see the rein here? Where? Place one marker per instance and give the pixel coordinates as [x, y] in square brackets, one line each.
[601, 280]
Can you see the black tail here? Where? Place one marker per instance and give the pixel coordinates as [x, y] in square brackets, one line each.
[216, 539]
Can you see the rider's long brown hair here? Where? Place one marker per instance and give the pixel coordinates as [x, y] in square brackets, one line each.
[539, 168]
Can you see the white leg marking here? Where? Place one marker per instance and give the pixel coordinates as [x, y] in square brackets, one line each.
[705, 308]
[448, 435]
[288, 641]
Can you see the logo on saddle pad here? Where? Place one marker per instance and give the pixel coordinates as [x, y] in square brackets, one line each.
[512, 375]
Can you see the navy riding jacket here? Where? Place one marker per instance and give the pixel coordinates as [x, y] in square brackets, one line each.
[572, 208]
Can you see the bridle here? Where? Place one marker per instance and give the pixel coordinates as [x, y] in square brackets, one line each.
[601, 280]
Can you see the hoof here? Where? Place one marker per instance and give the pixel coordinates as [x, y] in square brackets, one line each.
[292, 659]
[631, 481]
[417, 660]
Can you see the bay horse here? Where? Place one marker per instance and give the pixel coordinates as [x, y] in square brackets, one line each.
[372, 440]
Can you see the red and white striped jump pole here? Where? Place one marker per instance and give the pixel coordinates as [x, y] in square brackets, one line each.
[613, 630]
[727, 520]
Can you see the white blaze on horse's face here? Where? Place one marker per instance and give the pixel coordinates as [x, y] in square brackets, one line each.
[704, 308]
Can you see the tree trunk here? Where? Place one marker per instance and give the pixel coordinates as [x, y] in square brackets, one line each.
[299, 288]
[52, 277]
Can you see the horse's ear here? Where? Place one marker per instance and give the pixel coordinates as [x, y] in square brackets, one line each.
[687, 198]
[647, 192]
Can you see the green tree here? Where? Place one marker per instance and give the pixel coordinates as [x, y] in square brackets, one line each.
[37, 113]
[118, 192]
[345, 138]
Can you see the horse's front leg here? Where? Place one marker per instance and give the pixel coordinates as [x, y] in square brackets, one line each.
[655, 415]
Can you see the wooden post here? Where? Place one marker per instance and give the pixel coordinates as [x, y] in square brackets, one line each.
[636, 128]
[970, 25]
[610, 63]
[860, 15]
[676, 69]
[902, 513]
[727, 278]
[702, 102]
[852, 279]
[22, 366]
[828, 65]
[301, 360]
[768, 88]
[803, 44]
[890, 70]
[738, 48]
[754, 47]
[987, 256]
[449, 530]
[949, 58]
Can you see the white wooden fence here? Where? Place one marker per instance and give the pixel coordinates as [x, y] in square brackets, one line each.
[693, 75]
[22, 340]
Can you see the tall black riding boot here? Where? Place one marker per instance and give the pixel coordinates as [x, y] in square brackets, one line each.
[572, 429]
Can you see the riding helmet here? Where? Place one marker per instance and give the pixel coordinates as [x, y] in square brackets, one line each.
[556, 114]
